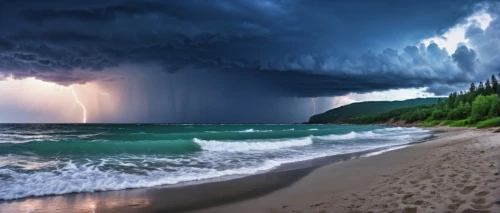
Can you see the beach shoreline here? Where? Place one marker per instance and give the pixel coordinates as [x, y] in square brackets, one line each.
[187, 196]
[305, 187]
[457, 171]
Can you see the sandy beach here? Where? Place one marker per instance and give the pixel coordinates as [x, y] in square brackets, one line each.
[457, 170]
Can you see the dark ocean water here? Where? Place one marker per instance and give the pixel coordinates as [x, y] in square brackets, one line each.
[46, 159]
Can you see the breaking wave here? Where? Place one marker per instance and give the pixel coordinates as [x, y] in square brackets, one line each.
[245, 131]
[251, 145]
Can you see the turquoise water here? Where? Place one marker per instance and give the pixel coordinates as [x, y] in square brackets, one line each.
[45, 159]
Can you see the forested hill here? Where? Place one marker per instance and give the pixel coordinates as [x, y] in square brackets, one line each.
[344, 113]
[479, 106]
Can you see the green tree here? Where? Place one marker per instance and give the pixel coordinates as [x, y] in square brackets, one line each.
[438, 114]
[498, 87]
[480, 88]
[461, 97]
[467, 108]
[456, 99]
[450, 101]
[472, 88]
[494, 83]
[498, 91]
[484, 107]
[460, 112]
[488, 90]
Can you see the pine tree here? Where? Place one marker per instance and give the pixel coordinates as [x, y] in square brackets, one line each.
[471, 95]
[472, 88]
[488, 90]
[461, 96]
[494, 83]
[498, 90]
[498, 87]
[456, 99]
[480, 88]
[450, 101]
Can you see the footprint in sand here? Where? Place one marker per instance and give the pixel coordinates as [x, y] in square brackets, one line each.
[482, 207]
[419, 202]
[466, 176]
[479, 200]
[454, 206]
[482, 193]
[492, 185]
[475, 211]
[468, 189]
[406, 196]
[410, 210]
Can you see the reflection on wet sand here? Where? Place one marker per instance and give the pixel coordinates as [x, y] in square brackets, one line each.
[164, 199]
[183, 197]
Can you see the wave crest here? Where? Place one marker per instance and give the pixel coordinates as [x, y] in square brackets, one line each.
[253, 130]
[393, 132]
[251, 145]
[82, 178]
[348, 136]
[243, 131]
[402, 130]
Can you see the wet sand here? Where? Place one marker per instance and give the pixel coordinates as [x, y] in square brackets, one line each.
[456, 171]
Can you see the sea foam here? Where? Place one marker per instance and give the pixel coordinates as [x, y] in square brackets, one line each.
[242, 131]
[251, 145]
[73, 178]
[393, 132]
[348, 136]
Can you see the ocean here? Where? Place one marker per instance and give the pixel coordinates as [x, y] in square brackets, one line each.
[52, 159]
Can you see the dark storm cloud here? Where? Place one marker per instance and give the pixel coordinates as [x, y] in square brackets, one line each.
[6, 45]
[487, 43]
[306, 48]
[97, 14]
[465, 58]
[443, 89]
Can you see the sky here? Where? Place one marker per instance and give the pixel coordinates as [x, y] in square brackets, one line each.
[234, 61]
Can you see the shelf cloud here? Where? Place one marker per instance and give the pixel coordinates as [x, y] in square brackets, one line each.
[278, 48]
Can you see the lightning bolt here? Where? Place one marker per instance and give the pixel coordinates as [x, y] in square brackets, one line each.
[313, 101]
[84, 119]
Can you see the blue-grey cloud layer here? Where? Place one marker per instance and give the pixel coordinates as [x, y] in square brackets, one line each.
[311, 48]
[257, 50]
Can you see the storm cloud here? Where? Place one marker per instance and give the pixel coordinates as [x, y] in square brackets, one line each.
[297, 48]
[302, 39]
